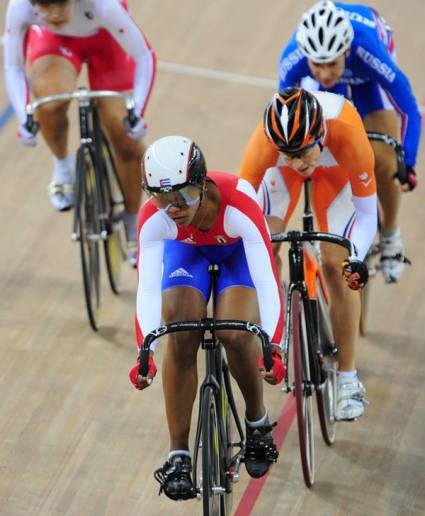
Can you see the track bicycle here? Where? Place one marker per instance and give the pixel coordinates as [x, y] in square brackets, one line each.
[309, 336]
[219, 439]
[373, 257]
[99, 201]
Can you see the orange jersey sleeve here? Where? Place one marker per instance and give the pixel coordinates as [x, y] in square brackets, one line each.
[348, 142]
[260, 154]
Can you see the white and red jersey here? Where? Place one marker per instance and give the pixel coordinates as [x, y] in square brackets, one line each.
[88, 18]
[239, 218]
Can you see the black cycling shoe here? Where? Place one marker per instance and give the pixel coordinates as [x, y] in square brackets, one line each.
[260, 450]
[175, 478]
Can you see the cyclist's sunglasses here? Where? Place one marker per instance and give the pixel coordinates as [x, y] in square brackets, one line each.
[182, 199]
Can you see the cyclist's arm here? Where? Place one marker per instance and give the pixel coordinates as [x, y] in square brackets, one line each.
[245, 219]
[365, 224]
[348, 142]
[18, 19]
[122, 27]
[259, 155]
[155, 227]
[379, 66]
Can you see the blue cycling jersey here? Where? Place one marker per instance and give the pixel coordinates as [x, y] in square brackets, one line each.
[369, 64]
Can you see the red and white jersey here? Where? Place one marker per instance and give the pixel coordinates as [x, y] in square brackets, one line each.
[89, 16]
[240, 217]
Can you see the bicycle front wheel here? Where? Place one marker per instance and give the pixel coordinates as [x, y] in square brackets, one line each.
[114, 245]
[303, 387]
[89, 229]
[211, 482]
[326, 395]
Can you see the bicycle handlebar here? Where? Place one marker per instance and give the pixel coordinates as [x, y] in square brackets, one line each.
[82, 95]
[204, 325]
[314, 236]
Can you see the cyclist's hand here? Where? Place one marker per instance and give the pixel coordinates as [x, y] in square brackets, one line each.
[277, 372]
[136, 127]
[408, 180]
[27, 137]
[141, 382]
[355, 273]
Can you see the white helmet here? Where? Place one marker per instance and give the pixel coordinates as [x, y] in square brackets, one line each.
[172, 163]
[325, 32]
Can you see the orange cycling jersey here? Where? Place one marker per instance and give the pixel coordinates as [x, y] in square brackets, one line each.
[345, 145]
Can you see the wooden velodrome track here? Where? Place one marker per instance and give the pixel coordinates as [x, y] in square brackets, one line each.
[75, 437]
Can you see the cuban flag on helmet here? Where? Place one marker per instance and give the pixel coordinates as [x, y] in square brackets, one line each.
[165, 184]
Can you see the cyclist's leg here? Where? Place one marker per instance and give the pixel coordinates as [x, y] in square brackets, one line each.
[385, 121]
[110, 68]
[334, 209]
[185, 286]
[55, 65]
[237, 299]
[379, 115]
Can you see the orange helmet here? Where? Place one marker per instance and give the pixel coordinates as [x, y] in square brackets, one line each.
[293, 120]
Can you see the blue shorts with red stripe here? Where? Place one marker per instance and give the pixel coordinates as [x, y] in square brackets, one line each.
[187, 265]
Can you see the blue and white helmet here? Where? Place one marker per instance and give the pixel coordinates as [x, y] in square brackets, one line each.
[172, 163]
[325, 32]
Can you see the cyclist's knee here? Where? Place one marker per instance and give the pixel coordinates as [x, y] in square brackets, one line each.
[183, 347]
[53, 110]
[385, 162]
[126, 148]
[234, 341]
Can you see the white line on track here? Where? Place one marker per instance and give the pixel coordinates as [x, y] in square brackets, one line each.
[218, 75]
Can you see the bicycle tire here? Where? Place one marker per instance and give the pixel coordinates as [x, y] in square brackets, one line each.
[114, 244]
[326, 394]
[211, 481]
[88, 211]
[303, 388]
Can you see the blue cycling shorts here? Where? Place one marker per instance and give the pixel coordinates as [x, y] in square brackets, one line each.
[187, 265]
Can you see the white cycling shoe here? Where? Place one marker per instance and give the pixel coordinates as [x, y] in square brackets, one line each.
[61, 189]
[351, 398]
[61, 195]
[393, 260]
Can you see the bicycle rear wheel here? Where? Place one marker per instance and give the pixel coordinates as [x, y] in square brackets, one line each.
[89, 229]
[303, 387]
[211, 477]
[114, 245]
[326, 395]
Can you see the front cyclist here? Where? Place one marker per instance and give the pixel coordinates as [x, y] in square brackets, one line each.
[321, 137]
[349, 49]
[56, 37]
[192, 220]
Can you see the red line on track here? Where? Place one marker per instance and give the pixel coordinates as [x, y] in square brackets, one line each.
[255, 486]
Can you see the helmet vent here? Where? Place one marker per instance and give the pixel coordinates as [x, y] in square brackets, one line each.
[312, 43]
[321, 36]
[331, 42]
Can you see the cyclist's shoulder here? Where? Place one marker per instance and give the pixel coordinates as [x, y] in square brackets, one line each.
[332, 104]
[231, 187]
